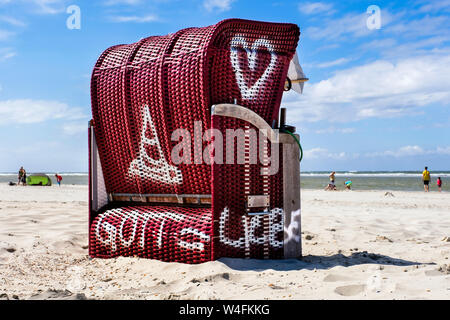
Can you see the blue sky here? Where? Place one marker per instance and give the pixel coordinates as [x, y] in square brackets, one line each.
[377, 99]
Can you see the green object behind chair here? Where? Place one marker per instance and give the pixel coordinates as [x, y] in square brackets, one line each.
[39, 180]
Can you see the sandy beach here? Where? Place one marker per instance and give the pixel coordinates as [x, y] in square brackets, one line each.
[356, 245]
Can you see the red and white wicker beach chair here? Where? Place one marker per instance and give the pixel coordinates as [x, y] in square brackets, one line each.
[183, 96]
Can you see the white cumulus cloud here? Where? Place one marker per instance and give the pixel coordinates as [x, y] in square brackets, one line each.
[400, 152]
[27, 111]
[322, 153]
[74, 128]
[333, 63]
[136, 19]
[49, 6]
[5, 34]
[315, 7]
[12, 21]
[6, 53]
[409, 151]
[381, 89]
[125, 2]
[443, 150]
[350, 25]
[219, 5]
[332, 130]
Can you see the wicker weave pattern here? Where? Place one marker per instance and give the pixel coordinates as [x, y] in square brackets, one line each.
[231, 185]
[178, 77]
[144, 91]
[165, 233]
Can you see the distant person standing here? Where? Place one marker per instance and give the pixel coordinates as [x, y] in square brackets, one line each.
[426, 178]
[439, 184]
[20, 175]
[58, 179]
[24, 177]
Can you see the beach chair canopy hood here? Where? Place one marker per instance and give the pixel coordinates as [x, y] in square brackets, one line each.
[164, 83]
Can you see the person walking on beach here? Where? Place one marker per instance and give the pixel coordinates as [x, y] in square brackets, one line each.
[426, 178]
[439, 184]
[58, 179]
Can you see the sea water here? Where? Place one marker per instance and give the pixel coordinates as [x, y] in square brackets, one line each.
[69, 178]
[379, 180]
[362, 180]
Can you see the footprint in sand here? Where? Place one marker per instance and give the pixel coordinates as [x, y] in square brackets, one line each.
[52, 294]
[383, 239]
[336, 278]
[5, 246]
[433, 273]
[350, 290]
[444, 269]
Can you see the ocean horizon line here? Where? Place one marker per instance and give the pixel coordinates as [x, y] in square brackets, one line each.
[306, 172]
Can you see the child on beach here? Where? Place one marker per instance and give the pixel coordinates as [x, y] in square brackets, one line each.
[58, 179]
[439, 184]
[348, 184]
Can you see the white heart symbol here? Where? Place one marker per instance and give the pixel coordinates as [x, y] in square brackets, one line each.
[239, 41]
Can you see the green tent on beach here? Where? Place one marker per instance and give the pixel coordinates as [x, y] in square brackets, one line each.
[39, 179]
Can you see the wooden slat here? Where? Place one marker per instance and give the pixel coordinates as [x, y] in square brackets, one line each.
[169, 199]
[291, 194]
